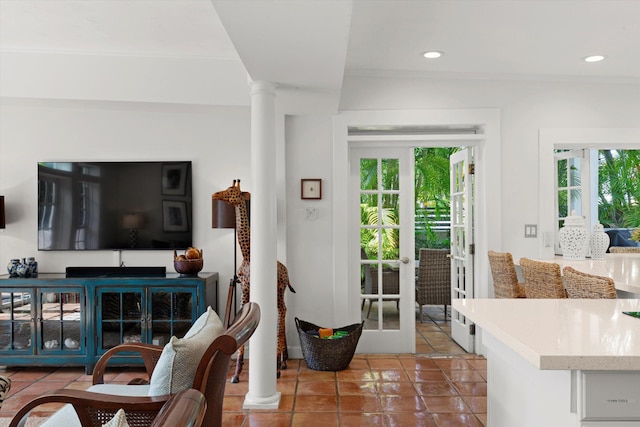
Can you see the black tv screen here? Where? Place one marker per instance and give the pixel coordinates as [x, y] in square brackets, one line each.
[114, 205]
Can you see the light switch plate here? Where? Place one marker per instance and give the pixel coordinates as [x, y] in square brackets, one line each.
[530, 230]
[311, 213]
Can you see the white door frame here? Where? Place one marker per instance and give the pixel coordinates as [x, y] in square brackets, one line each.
[488, 179]
[572, 139]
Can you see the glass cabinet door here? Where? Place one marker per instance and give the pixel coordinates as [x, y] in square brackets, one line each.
[171, 312]
[60, 320]
[120, 317]
[16, 321]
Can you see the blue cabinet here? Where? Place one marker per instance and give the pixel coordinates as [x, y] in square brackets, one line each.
[54, 320]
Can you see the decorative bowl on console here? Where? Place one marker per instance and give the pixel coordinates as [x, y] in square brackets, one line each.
[190, 267]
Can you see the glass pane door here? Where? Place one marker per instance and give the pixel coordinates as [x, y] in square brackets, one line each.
[171, 314]
[16, 321]
[382, 197]
[120, 317]
[60, 318]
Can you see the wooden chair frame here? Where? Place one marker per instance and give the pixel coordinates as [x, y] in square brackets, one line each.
[95, 409]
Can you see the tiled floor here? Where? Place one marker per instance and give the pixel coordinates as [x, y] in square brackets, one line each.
[440, 386]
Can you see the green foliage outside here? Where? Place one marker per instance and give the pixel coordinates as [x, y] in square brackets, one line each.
[619, 188]
[432, 202]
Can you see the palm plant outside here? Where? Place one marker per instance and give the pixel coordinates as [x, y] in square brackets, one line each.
[431, 204]
[619, 188]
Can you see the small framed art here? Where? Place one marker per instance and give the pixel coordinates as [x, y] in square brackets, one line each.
[311, 189]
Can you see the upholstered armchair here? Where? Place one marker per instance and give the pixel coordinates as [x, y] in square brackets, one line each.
[182, 364]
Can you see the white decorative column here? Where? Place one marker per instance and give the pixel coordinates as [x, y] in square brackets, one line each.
[262, 366]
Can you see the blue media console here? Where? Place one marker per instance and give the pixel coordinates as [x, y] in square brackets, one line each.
[54, 319]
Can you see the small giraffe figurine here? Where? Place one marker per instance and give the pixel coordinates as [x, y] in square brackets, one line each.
[235, 197]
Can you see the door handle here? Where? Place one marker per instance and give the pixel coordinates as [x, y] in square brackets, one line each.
[405, 260]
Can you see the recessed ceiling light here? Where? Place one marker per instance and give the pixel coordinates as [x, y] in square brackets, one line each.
[594, 58]
[432, 54]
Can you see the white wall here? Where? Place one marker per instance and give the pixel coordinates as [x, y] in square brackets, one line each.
[309, 246]
[215, 139]
[525, 108]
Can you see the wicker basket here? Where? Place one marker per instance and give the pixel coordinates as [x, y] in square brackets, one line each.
[328, 355]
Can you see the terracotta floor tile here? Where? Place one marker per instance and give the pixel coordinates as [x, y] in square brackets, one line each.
[426, 375]
[314, 419]
[402, 404]
[31, 375]
[41, 387]
[285, 387]
[482, 418]
[396, 388]
[436, 388]
[386, 363]
[448, 363]
[424, 349]
[447, 348]
[310, 375]
[16, 386]
[351, 419]
[79, 385]
[456, 420]
[390, 375]
[357, 387]
[478, 404]
[446, 404]
[233, 419]
[316, 404]
[233, 403]
[355, 403]
[418, 363]
[471, 388]
[478, 364]
[359, 364]
[237, 389]
[268, 419]
[464, 376]
[417, 419]
[317, 388]
[356, 375]
[64, 375]
[286, 403]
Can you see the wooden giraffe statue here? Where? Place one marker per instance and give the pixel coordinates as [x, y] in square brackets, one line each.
[235, 197]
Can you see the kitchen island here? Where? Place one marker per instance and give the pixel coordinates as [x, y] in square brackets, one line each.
[559, 362]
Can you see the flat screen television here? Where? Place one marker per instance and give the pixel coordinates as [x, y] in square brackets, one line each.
[114, 205]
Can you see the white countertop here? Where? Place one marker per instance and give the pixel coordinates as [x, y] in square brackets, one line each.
[587, 334]
[624, 269]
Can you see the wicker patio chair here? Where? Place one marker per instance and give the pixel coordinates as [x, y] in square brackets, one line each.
[505, 278]
[583, 285]
[433, 285]
[624, 249]
[542, 279]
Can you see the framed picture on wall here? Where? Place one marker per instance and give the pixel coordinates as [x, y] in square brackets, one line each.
[174, 179]
[311, 188]
[174, 216]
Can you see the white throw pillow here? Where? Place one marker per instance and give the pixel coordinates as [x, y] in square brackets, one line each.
[209, 319]
[179, 360]
[118, 420]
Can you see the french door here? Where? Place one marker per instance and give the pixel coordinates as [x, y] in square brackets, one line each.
[573, 179]
[382, 279]
[462, 244]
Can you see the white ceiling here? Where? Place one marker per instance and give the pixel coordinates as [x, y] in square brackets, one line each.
[307, 46]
